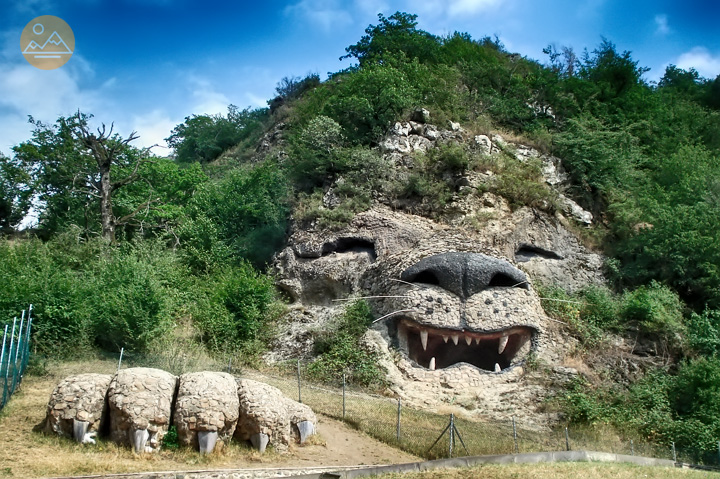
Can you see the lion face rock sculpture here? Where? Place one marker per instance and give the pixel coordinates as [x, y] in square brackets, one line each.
[457, 313]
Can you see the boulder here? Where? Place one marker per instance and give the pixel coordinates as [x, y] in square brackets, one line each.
[206, 409]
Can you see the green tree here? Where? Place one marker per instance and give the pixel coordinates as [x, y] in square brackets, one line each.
[15, 193]
[76, 173]
[396, 33]
[203, 138]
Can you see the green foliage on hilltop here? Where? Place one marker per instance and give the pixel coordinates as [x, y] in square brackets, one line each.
[204, 137]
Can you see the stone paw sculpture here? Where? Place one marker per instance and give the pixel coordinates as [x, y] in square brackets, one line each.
[77, 407]
[206, 410]
[136, 406]
[268, 417]
[140, 401]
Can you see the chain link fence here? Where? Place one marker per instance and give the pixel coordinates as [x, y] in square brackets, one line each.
[432, 435]
[14, 353]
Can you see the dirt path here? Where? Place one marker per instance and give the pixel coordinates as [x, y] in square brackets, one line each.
[344, 446]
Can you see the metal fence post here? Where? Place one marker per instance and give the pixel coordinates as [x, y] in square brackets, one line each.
[343, 396]
[515, 439]
[298, 378]
[10, 351]
[452, 432]
[718, 452]
[122, 350]
[632, 448]
[567, 440]
[27, 336]
[397, 432]
[2, 376]
[674, 452]
[17, 351]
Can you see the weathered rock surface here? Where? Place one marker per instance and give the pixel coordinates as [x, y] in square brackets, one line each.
[207, 406]
[441, 339]
[76, 407]
[268, 416]
[140, 401]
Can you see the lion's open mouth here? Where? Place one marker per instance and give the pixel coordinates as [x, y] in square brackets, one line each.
[436, 348]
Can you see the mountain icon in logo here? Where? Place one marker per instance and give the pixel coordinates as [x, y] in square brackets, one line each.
[47, 42]
[59, 47]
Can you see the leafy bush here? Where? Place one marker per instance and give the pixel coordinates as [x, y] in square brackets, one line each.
[656, 308]
[86, 296]
[232, 306]
[703, 332]
[339, 350]
[242, 216]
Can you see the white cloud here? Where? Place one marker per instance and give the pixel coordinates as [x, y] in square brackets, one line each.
[44, 94]
[33, 6]
[370, 7]
[701, 60]
[208, 101]
[255, 100]
[153, 128]
[458, 8]
[661, 24]
[326, 14]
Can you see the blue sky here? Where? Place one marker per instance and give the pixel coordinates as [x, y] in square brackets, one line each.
[147, 64]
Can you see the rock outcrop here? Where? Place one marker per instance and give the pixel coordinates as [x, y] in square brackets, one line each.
[444, 334]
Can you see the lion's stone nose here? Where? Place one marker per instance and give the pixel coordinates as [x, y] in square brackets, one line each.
[465, 273]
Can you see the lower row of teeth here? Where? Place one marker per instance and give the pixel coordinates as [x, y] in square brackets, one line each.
[431, 366]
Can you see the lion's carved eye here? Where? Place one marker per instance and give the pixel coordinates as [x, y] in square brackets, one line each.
[350, 245]
[526, 252]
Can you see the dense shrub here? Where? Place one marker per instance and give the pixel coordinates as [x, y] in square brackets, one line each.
[86, 296]
[340, 352]
[232, 306]
[241, 216]
[704, 332]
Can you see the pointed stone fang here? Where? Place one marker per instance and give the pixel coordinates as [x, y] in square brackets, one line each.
[423, 338]
[431, 367]
[501, 345]
[445, 338]
[455, 338]
[477, 340]
[468, 340]
[497, 368]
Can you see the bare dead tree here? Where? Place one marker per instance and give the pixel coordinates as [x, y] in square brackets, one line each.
[107, 150]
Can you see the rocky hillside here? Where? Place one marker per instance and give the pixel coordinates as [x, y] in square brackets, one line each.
[443, 220]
